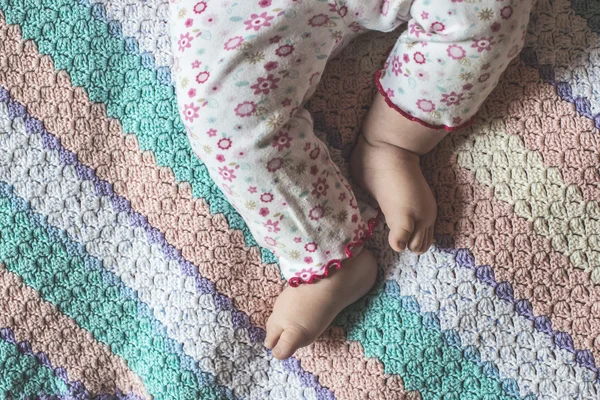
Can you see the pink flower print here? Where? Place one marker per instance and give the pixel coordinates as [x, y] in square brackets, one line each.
[200, 7]
[342, 196]
[227, 174]
[437, 27]
[396, 66]
[275, 164]
[419, 58]
[496, 26]
[265, 85]
[390, 93]
[190, 112]
[202, 77]
[284, 50]
[224, 144]
[456, 52]
[252, 189]
[483, 44]
[282, 141]
[360, 232]
[318, 20]
[297, 239]
[185, 41]
[191, 92]
[196, 64]
[306, 274]
[314, 153]
[422, 75]
[270, 241]
[189, 22]
[275, 39]
[211, 132]
[316, 213]
[311, 247]
[452, 99]
[416, 29]
[506, 12]
[266, 197]
[233, 43]
[272, 227]
[314, 170]
[406, 58]
[220, 158]
[271, 65]
[484, 77]
[308, 260]
[286, 102]
[425, 105]
[210, 20]
[385, 8]
[467, 87]
[320, 187]
[258, 21]
[264, 3]
[264, 212]
[343, 11]
[245, 109]
[513, 52]
[354, 218]
[424, 15]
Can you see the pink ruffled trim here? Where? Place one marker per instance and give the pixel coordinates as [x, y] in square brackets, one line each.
[373, 222]
[415, 119]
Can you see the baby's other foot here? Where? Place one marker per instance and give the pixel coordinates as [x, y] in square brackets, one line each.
[301, 314]
[386, 163]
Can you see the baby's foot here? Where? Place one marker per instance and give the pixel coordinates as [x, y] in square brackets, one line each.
[302, 313]
[384, 166]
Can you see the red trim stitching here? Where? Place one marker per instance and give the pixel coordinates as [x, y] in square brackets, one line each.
[415, 119]
[373, 222]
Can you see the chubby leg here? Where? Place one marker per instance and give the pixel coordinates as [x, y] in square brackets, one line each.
[385, 162]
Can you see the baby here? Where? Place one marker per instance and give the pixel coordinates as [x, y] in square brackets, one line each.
[244, 70]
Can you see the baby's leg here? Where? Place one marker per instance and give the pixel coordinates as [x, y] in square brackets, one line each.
[243, 71]
[439, 73]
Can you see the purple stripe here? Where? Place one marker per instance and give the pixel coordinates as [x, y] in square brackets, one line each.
[76, 390]
[523, 307]
[203, 285]
[563, 89]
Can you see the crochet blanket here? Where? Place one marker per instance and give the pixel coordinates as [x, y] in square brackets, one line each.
[124, 273]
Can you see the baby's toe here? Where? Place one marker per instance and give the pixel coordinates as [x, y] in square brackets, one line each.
[273, 333]
[401, 231]
[418, 241]
[290, 340]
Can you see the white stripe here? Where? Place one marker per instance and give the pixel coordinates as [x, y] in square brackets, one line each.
[564, 40]
[147, 22]
[207, 334]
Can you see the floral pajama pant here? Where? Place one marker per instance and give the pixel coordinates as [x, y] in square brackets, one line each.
[244, 69]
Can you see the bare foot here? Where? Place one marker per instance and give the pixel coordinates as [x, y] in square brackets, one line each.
[302, 313]
[386, 162]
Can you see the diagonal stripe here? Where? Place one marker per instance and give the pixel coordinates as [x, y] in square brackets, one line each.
[102, 76]
[195, 233]
[60, 270]
[570, 61]
[64, 343]
[72, 204]
[482, 321]
[519, 177]
[21, 375]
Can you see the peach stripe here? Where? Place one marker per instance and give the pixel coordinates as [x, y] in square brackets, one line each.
[489, 228]
[65, 343]
[549, 125]
[204, 239]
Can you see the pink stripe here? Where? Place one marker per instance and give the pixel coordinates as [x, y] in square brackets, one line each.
[62, 340]
[551, 126]
[489, 228]
[203, 239]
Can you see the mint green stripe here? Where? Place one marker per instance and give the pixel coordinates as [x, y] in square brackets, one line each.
[420, 354]
[22, 375]
[145, 105]
[66, 276]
